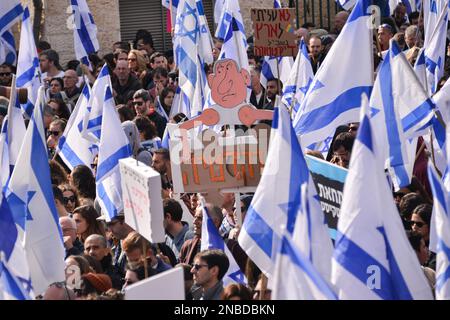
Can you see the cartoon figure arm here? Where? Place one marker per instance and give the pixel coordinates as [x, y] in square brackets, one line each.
[248, 115]
[208, 117]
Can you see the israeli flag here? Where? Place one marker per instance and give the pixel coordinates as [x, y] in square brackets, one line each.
[211, 239]
[114, 145]
[276, 68]
[193, 48]
[92, 121]
[296, 278]
[10, 13]
[8, 52]
[300, 78]
[28, 69]
[334, 97]
[10, 286]
[346, 4]
[173, 10]
[401, 110]
[230, 9]
[84, 32]
[286, 171]
[442, 227]
[435, 45]
[73, 148]
[235, 46]
[30, 197]
[218, 9]
[373, 258]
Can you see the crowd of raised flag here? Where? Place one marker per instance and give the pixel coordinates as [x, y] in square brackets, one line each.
[373, 99]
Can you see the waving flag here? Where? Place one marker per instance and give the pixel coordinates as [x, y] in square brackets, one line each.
[73, 148]
[8, 52]
[193, 48]
[373, 259]
[300, 78]
[172, 6]
[10, 286]
[346, 4]
[84, 32]
[230, 9]
[114, 145]
[285, 171]
[276, 68]
[28, 70]
[10, 12]
[92, 121]
[442, 224]
[401, 110]
[30, 198]
[211, 239]
[334, 96]
[296, 278]
[235, 46]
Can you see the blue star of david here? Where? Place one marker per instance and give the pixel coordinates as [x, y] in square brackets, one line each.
[92, 148]
[305, 88]
[237, 276]
[291, 208]
[30, 195]
[18, 205]
[433, 6]
[373, 112]
[317, 85]
[192, 34]
[27, 285]
[327, 143]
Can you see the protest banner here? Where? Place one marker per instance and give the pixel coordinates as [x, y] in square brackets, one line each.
[274, 32]
[329, 180]
[168, 285]
[141, 190]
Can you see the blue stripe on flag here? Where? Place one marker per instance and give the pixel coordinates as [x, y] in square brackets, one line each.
[26, 77]
[443, 277]
[112, 161]
[69, 154]
[187, 66]
[360, 10]
[365, 133]
[437, 190]
[259, 231]
[324, 115]
[11, 15]
[103, 196]
[417, 114]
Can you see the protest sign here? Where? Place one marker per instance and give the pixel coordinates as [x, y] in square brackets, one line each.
[168, 285]
[141, 190]
[274, 32]
[329, 180]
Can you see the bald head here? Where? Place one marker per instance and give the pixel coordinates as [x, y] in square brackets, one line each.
[302, 33]
[70, 79]
[67, 222]
[122, 71]
[98, 239]
[339, 21]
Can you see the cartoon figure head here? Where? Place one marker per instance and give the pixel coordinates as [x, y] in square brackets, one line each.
[228, 84]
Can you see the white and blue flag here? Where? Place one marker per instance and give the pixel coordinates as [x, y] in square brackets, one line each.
[28, 69]
[192, 49]
[276, 68]
[230, 9]
[300, 78]
[373, 258]
[84, 32]
[211, 239]
[10, 286]
[10, 13]
[442, 227]
[30, 197]
[114, 145]
[334, 96]
[400, 111]
[8, 53]
[286, 171]
[296, 278]
[235, 46]
[346, 4]
[73, 148]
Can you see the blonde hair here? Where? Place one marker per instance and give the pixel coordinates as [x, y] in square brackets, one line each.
[140, 61]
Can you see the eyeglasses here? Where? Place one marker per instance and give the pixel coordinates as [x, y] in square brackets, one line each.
[138, 103]
[199, 266]
[418, 223]
[67, 199]
[53, 133]
[5, 74]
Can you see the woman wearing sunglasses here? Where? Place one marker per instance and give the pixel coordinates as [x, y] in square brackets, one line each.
[70, 197]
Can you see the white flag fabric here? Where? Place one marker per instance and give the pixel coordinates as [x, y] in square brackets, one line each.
[230, 9]
[30, 197]
[400, 110]
[276, 68]
[296, 278]
[373, 258]
[235, 46]
[10, 12]
[114, 145]
[285, 170]
[441, 222]
[211, 239]
[334, 97]
[8, 52]
[73, 148]
[10, 286]
[28, 69]
[84, 32]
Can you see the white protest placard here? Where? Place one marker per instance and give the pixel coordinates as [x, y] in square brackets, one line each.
[141, 192]
[168, 285]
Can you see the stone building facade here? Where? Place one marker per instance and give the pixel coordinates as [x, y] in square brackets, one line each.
[56, 18]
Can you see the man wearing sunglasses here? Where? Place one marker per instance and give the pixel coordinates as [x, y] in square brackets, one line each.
[208, 270]
[144, 105]
[6, 72]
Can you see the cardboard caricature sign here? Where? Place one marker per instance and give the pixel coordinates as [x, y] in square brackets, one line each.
[273, 31]
[213, 160]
